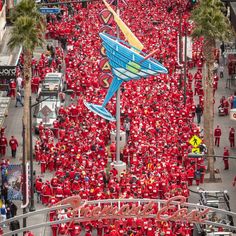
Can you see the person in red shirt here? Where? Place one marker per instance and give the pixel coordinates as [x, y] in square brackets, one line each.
[231, 137]
[3, 145]
[12, 88]
[36, 83]
[234, 182]
[13, 143]
[113, 150]
[28, 233]
[217, 134]
[226, 158]
[46, 193]
[190, 174]
[38, 188]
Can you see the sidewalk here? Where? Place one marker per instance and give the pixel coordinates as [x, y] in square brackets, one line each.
[225, 123]
[13, 124]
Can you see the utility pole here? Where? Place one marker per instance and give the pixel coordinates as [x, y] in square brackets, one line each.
[185, 64]
[24, 189]
[117, 101]
[32, 207]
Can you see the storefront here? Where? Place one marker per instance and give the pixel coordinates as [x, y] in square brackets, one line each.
[6, 74]
[4, 106]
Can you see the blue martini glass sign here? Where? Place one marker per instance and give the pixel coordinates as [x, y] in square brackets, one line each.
[127, 63]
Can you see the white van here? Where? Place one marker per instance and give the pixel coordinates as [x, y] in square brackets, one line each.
[53, 82]
[46, 112]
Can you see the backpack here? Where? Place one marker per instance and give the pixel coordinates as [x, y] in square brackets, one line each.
[3, 211]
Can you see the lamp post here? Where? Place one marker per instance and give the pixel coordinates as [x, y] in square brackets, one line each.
[32, 207]
[118, 164]
[185, 65]
[117, 102]
[24, 188]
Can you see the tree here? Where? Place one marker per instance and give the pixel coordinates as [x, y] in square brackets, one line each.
[27, 32]
[211, 24]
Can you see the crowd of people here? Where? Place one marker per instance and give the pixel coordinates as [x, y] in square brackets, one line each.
[159, 130]
[157, 123]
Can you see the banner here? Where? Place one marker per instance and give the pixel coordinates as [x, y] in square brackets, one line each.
[14, 182]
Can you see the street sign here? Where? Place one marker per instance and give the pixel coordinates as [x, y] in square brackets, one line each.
[195, 141]
[232, 114]
[45, 110]
[196, 150]
[47, 10]
[195, 155]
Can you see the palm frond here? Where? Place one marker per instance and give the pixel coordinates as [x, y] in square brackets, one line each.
[28, 8]
[25, 33]
[210, 21]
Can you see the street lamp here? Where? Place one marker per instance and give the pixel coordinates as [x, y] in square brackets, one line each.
[24, 187]
[179, 53]
[32, 207]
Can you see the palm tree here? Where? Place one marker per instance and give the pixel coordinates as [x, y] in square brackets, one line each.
[212, 25]
[27, 32]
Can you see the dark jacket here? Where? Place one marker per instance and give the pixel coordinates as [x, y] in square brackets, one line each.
[14, 225]
[198, 110]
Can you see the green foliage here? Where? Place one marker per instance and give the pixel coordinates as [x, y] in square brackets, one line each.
[28, 26]
[28, 8]
[24, 7]
[25, 34]
[210, 22]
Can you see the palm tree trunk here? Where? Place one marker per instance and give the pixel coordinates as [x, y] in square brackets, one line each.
[209, 46]
[27, 94]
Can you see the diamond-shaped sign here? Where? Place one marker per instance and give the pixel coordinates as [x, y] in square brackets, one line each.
[45, 110]
[195, 141]
[196, 150]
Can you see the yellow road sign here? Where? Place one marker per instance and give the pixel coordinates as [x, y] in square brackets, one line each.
[195, 141]
[196, 150]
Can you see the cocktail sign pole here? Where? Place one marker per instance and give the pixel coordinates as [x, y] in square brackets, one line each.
[118, 161]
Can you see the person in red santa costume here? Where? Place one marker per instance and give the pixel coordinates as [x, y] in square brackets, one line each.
[113, 150]
[29, 233]
[232, 137]
[13, 143]
[12, 86]
[38, 188]
[3, 145]
[35, 84]
[113, 170]
[190, 174]
[43, 164]
[217, 135]
[226, 158]
[46, 193]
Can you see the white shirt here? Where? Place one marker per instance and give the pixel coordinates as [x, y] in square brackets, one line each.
[19, 81]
